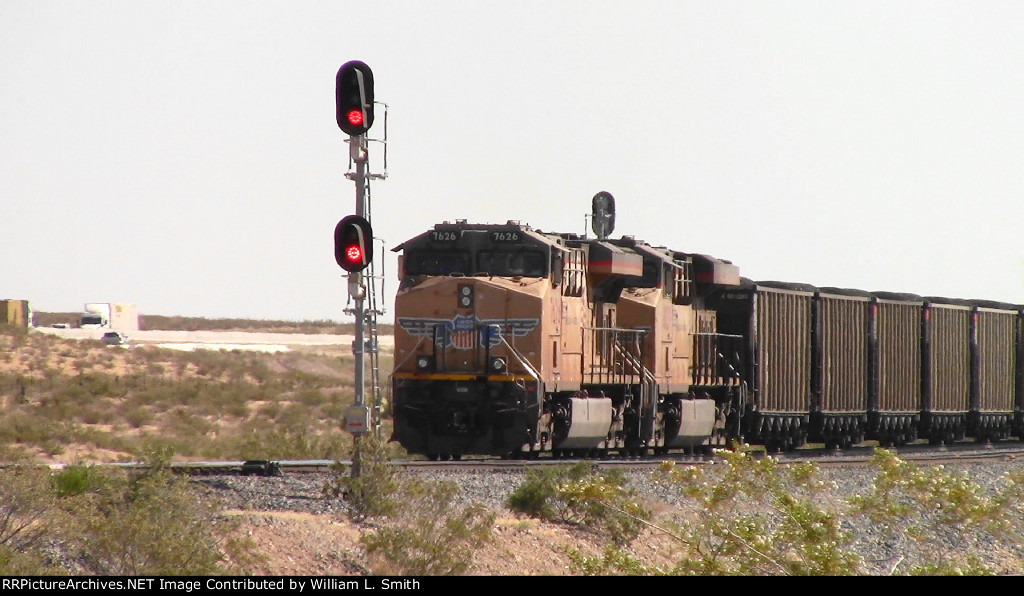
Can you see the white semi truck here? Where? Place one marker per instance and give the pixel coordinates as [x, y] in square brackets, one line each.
[110, 315]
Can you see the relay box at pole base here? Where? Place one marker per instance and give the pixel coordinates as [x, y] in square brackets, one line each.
[357, 419]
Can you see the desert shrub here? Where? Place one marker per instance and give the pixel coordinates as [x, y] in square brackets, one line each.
[77, 479]
[612, 561]
[747, 516]
[294, 416]
[601, 502]
[137, 416]
[753, 517]
[183, 422]
[369, 485]
[269, 410]
[95, 413]
[536, 495]
[333, 411]
[431, 534]
[924, 502]
[152, 523]
[30, 428]
[25, 499]
[311, 398]
[220, 399]
[582, 496]
[269, 442]
[165, 397]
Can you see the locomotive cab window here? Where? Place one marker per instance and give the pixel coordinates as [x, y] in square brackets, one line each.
[437, 262]
[503, 263]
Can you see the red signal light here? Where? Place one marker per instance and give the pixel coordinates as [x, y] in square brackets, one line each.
[353, 243]
[353, 94]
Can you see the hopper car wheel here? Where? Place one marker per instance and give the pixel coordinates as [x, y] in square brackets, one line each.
[433, 456]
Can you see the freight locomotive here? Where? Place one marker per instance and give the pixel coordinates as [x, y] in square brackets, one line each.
[514, 342]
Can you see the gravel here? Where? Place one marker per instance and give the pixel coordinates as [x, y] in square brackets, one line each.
[882, 552]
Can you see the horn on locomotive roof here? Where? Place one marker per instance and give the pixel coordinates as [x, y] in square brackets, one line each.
[602, 218]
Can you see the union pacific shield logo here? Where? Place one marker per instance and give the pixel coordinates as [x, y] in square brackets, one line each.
[463, 333]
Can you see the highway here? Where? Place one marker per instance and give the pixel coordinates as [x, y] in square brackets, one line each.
[220, 340]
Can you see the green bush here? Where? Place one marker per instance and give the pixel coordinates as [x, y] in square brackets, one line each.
[152, 523]
[25, 500]
[582, 496]
[76, 480]
[924, 502]
[429, 534]
[267, 442]
[370, 486]
[752, 516]
[420, 530]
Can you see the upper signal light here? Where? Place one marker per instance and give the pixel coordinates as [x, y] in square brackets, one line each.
[353, 93]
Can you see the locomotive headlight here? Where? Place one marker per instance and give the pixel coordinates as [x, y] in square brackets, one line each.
[497, 364]
[465, 295]
[424, 363]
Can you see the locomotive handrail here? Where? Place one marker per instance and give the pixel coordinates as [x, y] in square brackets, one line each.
[522, 361]
[622, 329]
[617, 352]
[525, 364]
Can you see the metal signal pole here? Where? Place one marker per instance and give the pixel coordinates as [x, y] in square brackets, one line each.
[353, 241]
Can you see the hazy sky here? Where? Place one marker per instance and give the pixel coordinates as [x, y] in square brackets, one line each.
[184, 156]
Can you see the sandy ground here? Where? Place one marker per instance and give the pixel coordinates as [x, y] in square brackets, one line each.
[317, 545]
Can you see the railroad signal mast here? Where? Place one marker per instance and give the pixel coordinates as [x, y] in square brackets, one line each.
[353, 242]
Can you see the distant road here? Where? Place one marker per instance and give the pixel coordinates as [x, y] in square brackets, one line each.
[228, 340]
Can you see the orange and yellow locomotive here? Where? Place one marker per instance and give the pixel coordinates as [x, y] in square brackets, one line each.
[514, 342]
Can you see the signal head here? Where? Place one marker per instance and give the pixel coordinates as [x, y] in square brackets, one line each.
[353, 93]
[603, 214]
[353, 243]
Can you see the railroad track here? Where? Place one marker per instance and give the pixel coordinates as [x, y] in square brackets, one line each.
[860, 455]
